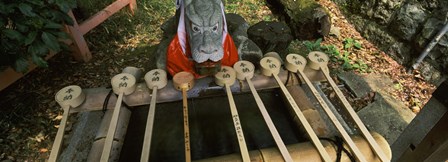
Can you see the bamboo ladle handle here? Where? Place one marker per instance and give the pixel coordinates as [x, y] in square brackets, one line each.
[122, 84]
[271, 67]
[184, 81]
[68, 97]
[225, 78]
[319, 60]
[245, 71]
[155, 79]
[296, 63]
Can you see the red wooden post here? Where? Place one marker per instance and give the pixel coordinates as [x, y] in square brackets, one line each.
[132, 6]
[80, 49]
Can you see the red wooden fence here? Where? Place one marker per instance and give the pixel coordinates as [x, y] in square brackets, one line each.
[79, 46]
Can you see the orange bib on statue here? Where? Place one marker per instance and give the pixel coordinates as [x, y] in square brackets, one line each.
[177, 60]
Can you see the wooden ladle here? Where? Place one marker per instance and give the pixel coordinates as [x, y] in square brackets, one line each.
[184, 81]
[270, 66]
[319, 61]
[68, 97]
[245, 71]
[155, 79]
[225, 78]
[296, 63]
[122, 84]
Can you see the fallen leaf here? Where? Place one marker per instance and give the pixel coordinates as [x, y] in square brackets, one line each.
[43, 150]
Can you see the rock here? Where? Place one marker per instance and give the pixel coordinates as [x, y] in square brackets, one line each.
[380, 11]
[271, 36]
[169, 27]
[82, 137]
[402, 29]
[400, 52]
[378, 34]
[408, 20]
[236, 24]
[306, 18]
[387, 116]
[431, 73]
[335, 31]
[444, 41]
[430, 29]
[161, 52]
[358, 22]
[431, 4]
[362, 85]
[248, 50]
[355, 84]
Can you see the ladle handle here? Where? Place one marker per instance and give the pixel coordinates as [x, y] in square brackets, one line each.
[237, 125]
[59, 136]
[111, 131]
[149, 127]
[334, 120]
[268, 120]
[354, 116]
[323, 153]
[186, 126]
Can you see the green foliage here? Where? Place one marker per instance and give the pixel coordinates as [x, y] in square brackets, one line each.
[30, 28]
[341, 57]
[349, 43]
[313, 46]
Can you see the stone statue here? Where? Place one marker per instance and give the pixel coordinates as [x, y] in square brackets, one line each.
[202, 42]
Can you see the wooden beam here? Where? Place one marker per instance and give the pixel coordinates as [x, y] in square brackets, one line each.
[433, 147]
[101, 16]
[132, 6]
[81, 51]
[9, 76]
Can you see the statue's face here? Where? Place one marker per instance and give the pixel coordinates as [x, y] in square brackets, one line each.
[204, 25]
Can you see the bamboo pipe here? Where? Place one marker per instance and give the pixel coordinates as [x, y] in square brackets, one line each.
[184, 81]
[307, 152]
[295, 63]
[68, 97]
[155, 79]
[270, 66]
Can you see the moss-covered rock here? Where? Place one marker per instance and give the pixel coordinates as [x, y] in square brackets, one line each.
[306, 18]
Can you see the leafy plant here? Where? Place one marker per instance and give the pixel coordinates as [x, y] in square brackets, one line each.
[350, 43]
[332, 51]
[336, 56]
[313, 46]
[30, 29]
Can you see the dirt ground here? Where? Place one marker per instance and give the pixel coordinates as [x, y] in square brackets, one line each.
[29, 116]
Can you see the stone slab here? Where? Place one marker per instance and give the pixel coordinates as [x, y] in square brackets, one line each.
[355, 83]
[387, 116]
[82, 136]
[362, 85]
